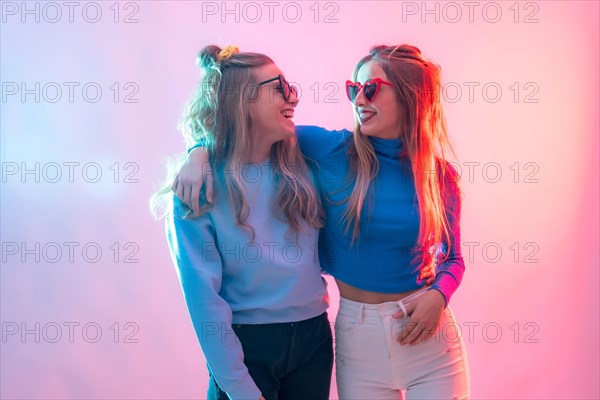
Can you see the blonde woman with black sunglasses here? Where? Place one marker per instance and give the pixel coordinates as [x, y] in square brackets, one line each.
[247, 261]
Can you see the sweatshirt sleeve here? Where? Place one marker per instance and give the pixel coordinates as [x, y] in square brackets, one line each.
[450, 272]
[199, 268]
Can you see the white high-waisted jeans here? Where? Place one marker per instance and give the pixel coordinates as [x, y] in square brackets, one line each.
[371, 364]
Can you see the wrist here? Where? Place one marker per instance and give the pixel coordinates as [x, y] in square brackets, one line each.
[440, 296]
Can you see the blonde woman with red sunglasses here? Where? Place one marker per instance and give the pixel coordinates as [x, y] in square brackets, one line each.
[392, 205]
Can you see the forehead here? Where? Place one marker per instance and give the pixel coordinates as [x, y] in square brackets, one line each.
[370, 70]
[267, 72]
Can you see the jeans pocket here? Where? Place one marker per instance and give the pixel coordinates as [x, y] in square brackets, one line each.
[345, 329]
[345, 325]
[347, 346]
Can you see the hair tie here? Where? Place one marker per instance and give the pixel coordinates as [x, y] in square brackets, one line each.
[227, 52]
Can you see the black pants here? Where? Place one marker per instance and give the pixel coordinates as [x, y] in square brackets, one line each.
[287, 361]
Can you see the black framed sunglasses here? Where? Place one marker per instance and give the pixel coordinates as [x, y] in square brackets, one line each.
[286, 89]
[370, 89]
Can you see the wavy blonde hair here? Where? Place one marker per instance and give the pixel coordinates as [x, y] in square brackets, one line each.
[417, 84]
[219, 115]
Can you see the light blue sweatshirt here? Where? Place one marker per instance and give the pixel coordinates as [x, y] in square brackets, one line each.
[228, 279]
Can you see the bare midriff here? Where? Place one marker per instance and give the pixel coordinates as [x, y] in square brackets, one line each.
[364, 296]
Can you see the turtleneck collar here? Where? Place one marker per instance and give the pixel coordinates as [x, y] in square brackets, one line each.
[387, 147]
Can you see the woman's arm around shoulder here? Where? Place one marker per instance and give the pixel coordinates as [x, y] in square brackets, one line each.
[317, 143]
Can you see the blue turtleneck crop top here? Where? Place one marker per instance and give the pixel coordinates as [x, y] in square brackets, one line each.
[381, 260]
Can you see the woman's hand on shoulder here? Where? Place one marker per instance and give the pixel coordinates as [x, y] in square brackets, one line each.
[193, 174]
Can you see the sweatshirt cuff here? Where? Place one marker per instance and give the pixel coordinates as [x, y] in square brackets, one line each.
[245, 389]
[446, 284]
[201, 143]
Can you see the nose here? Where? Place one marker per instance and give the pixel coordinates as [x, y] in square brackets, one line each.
[360, 99]
[293, 100]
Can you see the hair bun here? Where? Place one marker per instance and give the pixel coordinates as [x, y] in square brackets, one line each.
[208, 56]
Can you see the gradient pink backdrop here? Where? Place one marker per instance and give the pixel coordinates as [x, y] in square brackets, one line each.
[547, 312]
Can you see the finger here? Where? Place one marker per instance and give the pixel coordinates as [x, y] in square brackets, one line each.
[410, 307]
[179, 191]
[413, 335]
[174, 184]
[430, 281]
[406, 330]
[195, 198]
[398, 315]
[187, 195]
[426, 334]
[417, 340]
[209, 188]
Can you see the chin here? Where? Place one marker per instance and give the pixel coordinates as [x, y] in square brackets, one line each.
[373, 131]
[289, 132]
[285, 136]
[367, 131]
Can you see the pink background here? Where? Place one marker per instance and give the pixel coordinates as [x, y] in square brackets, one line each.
[530, 314]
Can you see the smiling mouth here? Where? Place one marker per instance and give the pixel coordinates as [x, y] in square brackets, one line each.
[364, 116]
[288, 114]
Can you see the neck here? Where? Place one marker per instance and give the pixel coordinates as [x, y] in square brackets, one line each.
[259, 153]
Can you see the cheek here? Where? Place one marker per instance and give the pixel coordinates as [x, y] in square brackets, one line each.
[269, 116]
[392, 112]
[261, 118]
[266, 110]
[273, 117]
[394, 115]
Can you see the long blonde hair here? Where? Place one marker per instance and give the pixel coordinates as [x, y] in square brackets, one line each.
[417, 84]
[219, 115]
